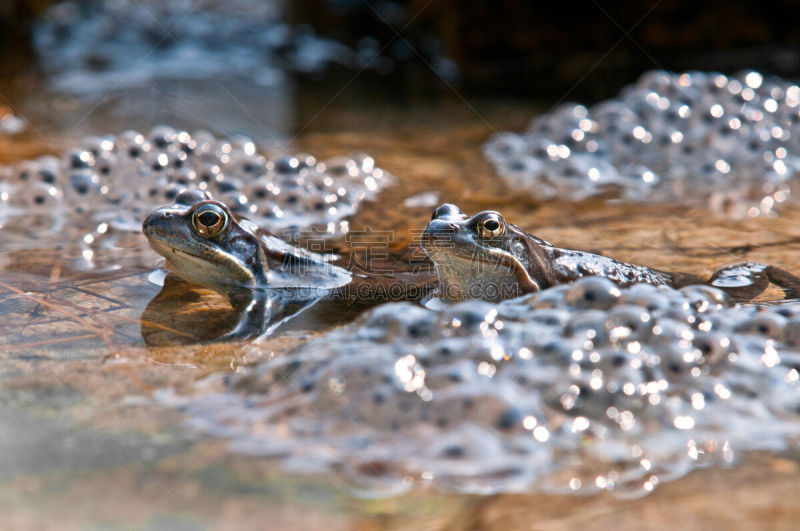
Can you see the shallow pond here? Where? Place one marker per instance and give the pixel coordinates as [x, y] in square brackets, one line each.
[84, 349]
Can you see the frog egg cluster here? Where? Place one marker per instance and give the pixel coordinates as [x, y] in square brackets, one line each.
[103, 188]
[111, 44]
[582, 388]
[731, 143]
[101, 45]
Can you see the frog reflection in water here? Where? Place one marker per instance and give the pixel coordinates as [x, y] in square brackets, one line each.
[204, 244]
[485, 257]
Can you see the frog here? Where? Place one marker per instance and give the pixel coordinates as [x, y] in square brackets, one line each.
[203, 243]
[267, 280]
[486, 257]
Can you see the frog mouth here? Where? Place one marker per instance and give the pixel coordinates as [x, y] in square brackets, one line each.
[486, 268]
[203, 266]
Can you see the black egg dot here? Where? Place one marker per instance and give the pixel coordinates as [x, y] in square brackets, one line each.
[704, 347]
[287, 165]
[416, 330]
[454, 452]
[508, 419]
[226, 186]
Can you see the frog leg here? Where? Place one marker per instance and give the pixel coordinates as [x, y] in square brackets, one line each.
[262, 311]
[743, 281]
[254, 307]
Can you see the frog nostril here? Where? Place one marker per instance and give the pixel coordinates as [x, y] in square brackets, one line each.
[438, 226]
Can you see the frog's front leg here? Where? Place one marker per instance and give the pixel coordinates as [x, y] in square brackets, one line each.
[254, 308]
[261, 311]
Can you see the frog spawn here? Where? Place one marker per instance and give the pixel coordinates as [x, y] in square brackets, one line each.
[102, 189]
[577, 389]
[731, 143]
[108, 45]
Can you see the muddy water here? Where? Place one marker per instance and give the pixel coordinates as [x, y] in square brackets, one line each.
[80, 354]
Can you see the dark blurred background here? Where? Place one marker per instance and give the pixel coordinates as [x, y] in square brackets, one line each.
[524, 47]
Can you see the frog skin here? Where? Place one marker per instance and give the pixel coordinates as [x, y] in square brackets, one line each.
[266, 279]
[485, 257]
[203, 243]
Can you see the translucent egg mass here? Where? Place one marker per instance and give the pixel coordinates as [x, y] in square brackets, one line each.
[104, 188]
[583, 388]
[729, 143]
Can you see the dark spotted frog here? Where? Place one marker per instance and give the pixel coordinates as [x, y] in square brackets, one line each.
[266, 280]
[486, 257]
[203, 243]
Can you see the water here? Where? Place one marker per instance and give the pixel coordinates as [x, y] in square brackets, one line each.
[87, 349]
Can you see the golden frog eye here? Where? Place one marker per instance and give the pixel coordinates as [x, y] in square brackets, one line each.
[491, 226]
[209, 220]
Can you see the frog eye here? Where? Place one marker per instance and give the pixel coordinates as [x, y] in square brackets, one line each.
[491, 226]
[209, 220]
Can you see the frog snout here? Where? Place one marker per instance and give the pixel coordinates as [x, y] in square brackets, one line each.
[439, 233]
[157, 223]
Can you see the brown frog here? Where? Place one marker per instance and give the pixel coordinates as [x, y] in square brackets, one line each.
[486, 257]
[265, 279]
